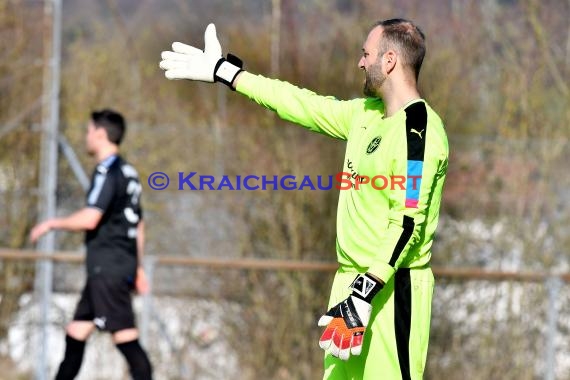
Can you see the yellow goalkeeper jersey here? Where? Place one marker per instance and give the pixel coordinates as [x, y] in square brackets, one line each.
[393, 174]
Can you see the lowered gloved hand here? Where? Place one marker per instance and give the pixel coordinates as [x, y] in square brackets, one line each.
[346, 322]
[188, 62]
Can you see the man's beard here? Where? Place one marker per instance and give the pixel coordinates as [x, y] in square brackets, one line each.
[374, 79]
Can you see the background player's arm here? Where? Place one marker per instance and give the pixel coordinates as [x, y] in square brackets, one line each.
[140, 242]
[141, 282]
[84, 219]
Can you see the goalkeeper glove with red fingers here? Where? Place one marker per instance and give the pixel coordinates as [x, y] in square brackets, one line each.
[188, 62]
[346, 322]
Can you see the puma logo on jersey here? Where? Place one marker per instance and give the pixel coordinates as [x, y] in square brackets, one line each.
[418, 133]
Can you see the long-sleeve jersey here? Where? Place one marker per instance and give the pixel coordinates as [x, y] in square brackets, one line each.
[394, 167]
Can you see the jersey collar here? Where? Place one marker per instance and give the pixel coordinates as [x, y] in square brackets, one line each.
[107, 162]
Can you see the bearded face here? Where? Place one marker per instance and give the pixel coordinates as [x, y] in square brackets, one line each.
[374, 79]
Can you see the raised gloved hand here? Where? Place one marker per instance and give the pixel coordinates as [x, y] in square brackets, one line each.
[188, 62]
[346, 322]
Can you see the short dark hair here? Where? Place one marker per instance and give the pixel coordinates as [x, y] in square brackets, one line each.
[113, 123]
[407, 38]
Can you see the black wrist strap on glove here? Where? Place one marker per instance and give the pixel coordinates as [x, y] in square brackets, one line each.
[227, 69]
[365, 287]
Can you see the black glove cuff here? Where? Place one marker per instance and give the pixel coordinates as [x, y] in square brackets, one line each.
[227, 70]
[365, 287]
[236, 61]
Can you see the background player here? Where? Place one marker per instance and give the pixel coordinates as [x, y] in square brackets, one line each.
[114, 238]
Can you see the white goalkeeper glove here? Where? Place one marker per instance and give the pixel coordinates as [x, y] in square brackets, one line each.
[188, 62]
[346, 322]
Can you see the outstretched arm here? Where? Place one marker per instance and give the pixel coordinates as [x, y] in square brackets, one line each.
[322, 114]
[85, 219]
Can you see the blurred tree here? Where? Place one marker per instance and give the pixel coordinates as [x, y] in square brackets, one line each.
[20, 103]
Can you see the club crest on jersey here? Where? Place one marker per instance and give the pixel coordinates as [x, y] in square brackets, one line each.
[374, 144]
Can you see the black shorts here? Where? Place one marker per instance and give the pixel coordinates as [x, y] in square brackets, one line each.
[107, 302]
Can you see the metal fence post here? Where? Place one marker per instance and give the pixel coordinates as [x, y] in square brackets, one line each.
[553, 285]
[149, 263]
[48, 179]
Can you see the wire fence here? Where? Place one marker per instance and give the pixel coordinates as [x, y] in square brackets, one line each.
[480, 318]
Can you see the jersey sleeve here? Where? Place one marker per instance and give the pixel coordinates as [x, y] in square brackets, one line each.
[412, 214]
[322, 114]
[102, 191]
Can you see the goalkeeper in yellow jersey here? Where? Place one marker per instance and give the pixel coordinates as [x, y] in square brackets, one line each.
[377, 325]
